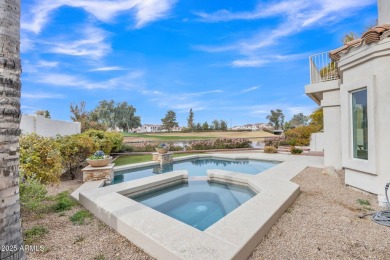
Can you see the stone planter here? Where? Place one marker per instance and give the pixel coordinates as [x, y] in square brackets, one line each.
[99, 162]
[162, 150]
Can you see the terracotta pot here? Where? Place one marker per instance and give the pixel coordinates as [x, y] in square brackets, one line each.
[99, 162]
[162, 150]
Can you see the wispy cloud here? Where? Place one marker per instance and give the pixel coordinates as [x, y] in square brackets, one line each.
[295, 16]
[114, 68]
[129, 80]
[47, 64]
[92, 45]
[146, 11]
[41, 95]
[249, 89]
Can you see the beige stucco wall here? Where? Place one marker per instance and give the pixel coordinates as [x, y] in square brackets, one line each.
[48, 127]
[317, 141]
[367, 67]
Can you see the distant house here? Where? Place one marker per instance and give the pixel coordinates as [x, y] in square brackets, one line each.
[252, 127]
[150, 128]
[352, 87]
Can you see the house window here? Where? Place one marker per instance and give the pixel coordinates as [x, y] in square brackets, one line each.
[360, 124]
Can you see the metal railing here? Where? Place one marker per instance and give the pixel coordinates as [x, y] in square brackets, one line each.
[322, 68]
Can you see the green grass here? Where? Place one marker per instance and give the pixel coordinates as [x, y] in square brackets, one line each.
[167, 138]
[363, 202]
[130, 159]
[34, 234]
[80, 217]
[63, 202]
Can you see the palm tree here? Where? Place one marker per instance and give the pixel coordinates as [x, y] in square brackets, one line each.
[10, 69]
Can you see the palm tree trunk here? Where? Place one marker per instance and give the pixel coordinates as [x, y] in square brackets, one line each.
[11, 239]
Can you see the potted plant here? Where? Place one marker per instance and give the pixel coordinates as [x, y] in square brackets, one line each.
[162, 148]
[99, 159]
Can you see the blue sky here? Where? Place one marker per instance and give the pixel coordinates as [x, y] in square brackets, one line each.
[231, 60]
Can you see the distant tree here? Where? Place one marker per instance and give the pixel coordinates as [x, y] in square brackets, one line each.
[223, 125]
[317, 118]
[105, 113]
[287, 126]
[205, 126]
[169, 121]
[198, 127]
[276, 118]
[190, 120]
[81, 115]
[125, 118]
[44, 113]
[298, 120]
[215, 124]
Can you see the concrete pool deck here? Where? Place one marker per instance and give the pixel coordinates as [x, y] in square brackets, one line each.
[233, 237]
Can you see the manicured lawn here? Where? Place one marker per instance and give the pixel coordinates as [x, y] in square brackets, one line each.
[163, 137]
[130, 159]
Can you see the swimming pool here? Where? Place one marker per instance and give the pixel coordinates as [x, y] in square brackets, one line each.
[199, 204]
[196, 167]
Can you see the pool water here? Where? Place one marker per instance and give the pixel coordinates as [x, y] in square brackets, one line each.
[196, 167]
[199, 204]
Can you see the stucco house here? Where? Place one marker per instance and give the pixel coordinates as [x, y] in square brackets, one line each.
[150, 128]
[352, 84]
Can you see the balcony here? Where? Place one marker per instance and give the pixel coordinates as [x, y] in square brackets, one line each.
[324, 76]
[322, 68]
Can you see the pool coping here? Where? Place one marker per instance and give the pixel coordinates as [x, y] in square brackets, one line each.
[233, 237]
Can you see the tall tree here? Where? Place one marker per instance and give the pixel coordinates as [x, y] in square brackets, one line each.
[86, 119]
[276, 118]
[223, 125]
[298, 120]
[317, 118]
[205, 126]
[125, 117]
[215, 124]
[190, 120]
[10, 89]
[169, 121]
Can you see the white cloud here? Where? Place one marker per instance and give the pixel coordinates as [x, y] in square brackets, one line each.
[250, 89]
[47, 64]
[114, 68]
[248, 63]
[146, 11]
[295, 16]
[127, 81]
[41, 95]
[92, 45]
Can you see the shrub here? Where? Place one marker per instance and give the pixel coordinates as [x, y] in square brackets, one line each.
[301, 135]
[108, 142]
[33, 234]
[275, 141]
[175, 148]
[296, 150]
[40, 157]
[220, 143]
[32, 193]
[270, 149]
[63, 202]
[80, 217]
[74, 150]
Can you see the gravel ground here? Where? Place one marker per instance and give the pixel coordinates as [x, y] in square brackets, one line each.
[323, 223]
[94, 240]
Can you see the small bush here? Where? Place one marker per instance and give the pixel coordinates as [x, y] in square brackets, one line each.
[34, 234]
[80, 217]
[363, 202]
[220, 143]
[63, 202]
[74, 150]
[32, 193]
[40, 157]
[108, 142]
[270, 149]
[301, 135]
[275, 141]
[296, 150]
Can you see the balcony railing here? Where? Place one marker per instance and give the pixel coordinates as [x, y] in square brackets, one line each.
[322, 68]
